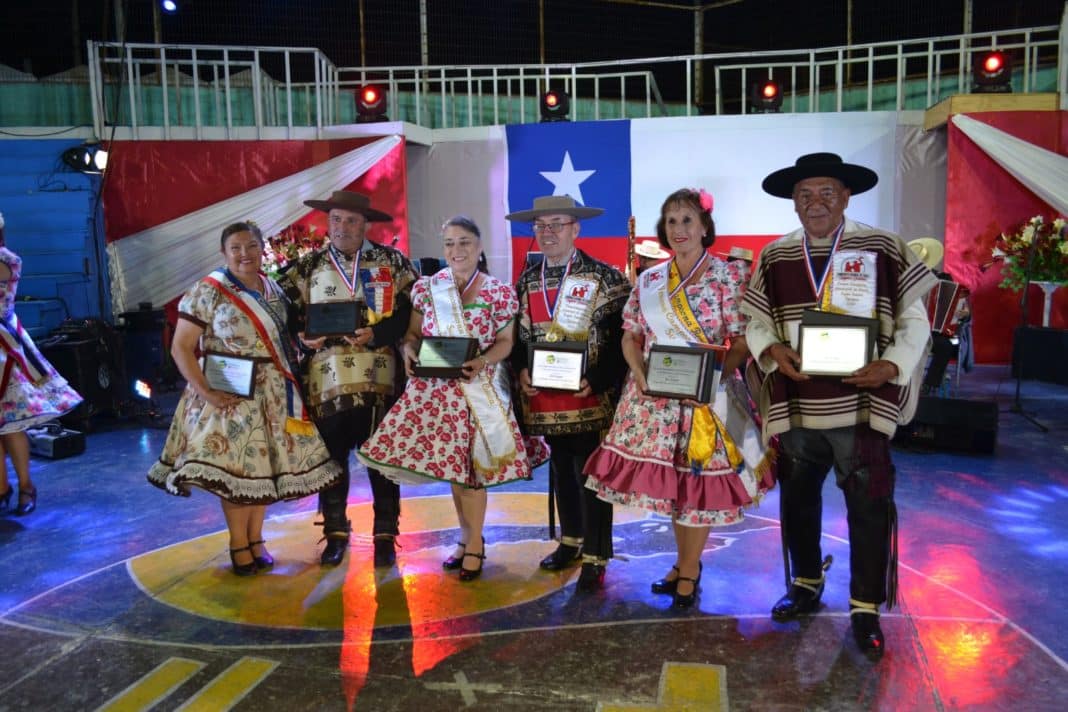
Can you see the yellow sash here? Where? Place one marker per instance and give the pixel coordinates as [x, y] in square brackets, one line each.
[707, 430]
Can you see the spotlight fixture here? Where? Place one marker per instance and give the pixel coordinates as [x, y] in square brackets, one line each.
[87, 158]
[371, 104]
[992, 72]
[555, 106]
[766, 97]
[169, 6]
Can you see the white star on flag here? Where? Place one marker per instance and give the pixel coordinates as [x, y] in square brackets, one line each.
[567, 180]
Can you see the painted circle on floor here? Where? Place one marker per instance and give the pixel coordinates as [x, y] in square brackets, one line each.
[194, 576]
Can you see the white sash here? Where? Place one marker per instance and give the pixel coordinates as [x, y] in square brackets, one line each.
[487, 396]
[655, 302]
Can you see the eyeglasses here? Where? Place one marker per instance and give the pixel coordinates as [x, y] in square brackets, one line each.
[553, 227]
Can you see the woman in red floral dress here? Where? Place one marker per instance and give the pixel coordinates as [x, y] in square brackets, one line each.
[461, 430]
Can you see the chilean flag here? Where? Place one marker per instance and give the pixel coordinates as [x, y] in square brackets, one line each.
[590, 161]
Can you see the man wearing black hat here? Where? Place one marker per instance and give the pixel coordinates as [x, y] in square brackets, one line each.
[833, 264]
[350, 378]
[571, 297]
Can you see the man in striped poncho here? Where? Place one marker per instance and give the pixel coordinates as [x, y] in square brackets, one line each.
[834, 264]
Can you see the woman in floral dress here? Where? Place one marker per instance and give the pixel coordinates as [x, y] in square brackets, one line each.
[249, 451]
[674, 457]
[31, 391]
[463, 430]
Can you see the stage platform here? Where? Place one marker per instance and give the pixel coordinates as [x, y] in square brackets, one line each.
[117, 596]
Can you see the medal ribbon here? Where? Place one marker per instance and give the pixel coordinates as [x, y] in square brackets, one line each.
[551, 307]
[335, 258]
[818, 287]
[474, 276]
[682, 282]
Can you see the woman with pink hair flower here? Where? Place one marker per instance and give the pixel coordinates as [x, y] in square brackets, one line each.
[675, 456]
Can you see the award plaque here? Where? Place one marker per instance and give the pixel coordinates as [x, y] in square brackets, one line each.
[444, 356]
[229, 373]
[684, 372]
[835, 344]
[558, 365]
[333, 319]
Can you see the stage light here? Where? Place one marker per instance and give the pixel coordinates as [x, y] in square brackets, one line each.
[143, 389]
[169, 6]
[992, 72]
[88, 158]
[371, 104]
[555, 106]
[766, 96]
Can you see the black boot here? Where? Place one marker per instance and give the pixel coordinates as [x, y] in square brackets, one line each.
[864, 619]
[565, 556]
[803, 597]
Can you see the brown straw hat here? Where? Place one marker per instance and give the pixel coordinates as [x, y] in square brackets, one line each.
[352, 201]
[554, 205]
[819, 165]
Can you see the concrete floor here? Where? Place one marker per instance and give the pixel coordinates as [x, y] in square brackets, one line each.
[116, 596]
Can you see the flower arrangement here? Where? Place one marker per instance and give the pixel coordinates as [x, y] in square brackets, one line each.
[1043, 244]
[288, 245]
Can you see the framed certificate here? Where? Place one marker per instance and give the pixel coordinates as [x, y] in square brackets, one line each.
[333, 319]
[557, 365]
[835, 344]
[230, 373]
[684, 371]
[444, 356]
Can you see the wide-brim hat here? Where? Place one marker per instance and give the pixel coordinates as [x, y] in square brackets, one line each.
[929, 250]
[352, 201]
[820, 165]
[554, 205]
[738, 253]
[651, 249]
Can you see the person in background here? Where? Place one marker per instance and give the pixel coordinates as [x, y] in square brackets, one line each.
[670, 456]
[31, 391]
[650, 254]
[249, 449]
[352, 380]
[570, 296]
[457, 430]
[838, 265]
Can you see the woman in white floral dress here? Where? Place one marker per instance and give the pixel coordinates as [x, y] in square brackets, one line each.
[31, 391]
[654, 456]
[460, 431]
[250, 449]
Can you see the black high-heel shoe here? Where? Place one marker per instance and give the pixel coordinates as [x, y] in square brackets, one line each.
[242, 569]
[265, 562]
[454, 562]
[27, 501]
[472, 574]
[5, 500]
[666, 585]
[686, 600]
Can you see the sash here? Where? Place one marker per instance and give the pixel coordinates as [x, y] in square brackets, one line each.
[489, 400]
[270, 332]
[672, 321]
[19, 352]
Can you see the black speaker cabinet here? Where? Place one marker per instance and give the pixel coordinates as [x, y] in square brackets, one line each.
[93, 367]
[952, 424]
[1040, 353]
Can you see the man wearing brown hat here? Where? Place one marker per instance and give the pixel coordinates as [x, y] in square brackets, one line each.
[571, 297]
[351, 378]
[833, 264]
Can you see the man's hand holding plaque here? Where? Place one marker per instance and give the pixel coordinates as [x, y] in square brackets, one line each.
[341, 318]
[835, 344]
[557, 365]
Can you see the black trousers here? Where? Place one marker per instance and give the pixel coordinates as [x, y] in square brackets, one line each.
[942, 350]
[807, 457]
[343, 432]
[582, 515]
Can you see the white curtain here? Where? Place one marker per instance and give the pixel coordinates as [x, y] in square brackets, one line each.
[159, 263]
[1043, 172]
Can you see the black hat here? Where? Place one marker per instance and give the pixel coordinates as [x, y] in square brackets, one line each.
[819, 165]
[352, 201]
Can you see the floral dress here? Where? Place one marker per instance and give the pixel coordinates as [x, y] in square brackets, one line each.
[643, 460]
[246, 456]
[428, 435]
[31, 390]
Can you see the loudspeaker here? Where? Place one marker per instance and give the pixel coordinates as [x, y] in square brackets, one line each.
[56, 442]
[952, 424]
[1039, 353]
[88, 353]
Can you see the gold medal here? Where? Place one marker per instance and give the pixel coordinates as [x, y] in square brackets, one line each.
[552, 336]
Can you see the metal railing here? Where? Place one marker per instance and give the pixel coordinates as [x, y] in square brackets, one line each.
[181, 91]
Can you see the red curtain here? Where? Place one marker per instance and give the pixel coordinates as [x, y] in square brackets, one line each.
[982, 201]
